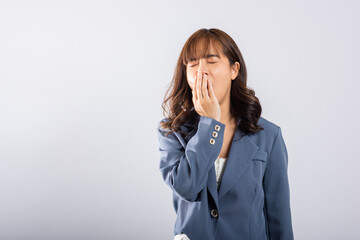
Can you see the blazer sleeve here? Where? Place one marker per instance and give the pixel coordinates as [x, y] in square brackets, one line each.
[185, 169]
[277, 192]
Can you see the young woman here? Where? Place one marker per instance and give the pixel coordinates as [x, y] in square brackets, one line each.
[225, 164]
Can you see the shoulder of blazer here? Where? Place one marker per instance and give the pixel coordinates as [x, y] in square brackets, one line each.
[268, 125]
[265, 137]
[187, 124]
[186, 127]
[182, 139]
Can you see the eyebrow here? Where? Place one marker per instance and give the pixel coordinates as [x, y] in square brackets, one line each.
[208, 56]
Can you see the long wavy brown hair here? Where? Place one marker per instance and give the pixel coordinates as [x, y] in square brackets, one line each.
[178, 105]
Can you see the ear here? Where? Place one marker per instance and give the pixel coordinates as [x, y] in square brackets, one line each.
[235, 70]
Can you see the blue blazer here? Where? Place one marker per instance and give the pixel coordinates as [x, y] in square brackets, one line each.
[253, 199]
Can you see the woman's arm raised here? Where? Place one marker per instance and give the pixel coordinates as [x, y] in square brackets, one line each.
[185, 170]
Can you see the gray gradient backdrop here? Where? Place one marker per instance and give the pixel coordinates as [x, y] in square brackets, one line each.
[81, 83]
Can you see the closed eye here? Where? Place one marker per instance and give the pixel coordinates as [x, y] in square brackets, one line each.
[208, 62]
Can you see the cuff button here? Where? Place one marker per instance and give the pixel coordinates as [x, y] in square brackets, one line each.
[214, 134]
[217, 127]
[212, 141]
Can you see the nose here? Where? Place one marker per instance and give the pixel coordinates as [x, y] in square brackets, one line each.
[203, 66]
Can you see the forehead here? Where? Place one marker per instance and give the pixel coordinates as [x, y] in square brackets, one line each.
[204, 48]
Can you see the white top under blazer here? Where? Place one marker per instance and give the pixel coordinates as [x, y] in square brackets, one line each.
[219, 169]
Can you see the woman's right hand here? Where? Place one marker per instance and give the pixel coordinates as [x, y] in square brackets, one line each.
[204, 99]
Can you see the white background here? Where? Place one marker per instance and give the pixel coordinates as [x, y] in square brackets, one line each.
[81, 86]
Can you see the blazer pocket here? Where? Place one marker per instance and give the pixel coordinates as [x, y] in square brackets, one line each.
[259, 165]
[260, 156]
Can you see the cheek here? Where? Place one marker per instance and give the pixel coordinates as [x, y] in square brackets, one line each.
[191, 81]
[221, 88]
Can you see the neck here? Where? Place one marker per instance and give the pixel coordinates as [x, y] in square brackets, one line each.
[226, 116]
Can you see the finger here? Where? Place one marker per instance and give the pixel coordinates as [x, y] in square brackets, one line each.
[204, 87]
[194, 88]
[211, 89]
[198, 86]
[194, 98]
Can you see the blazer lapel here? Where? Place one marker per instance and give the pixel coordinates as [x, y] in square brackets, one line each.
[241, 152]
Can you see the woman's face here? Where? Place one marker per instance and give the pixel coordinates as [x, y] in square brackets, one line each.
[219, 72]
